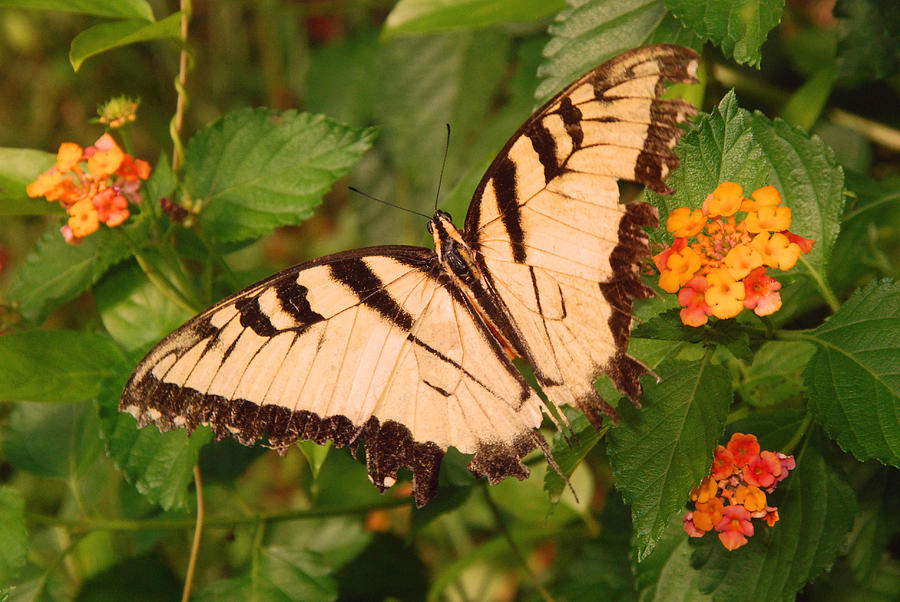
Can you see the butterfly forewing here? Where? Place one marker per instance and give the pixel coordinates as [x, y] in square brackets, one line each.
[557, 246]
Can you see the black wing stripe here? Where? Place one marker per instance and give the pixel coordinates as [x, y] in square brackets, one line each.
[504, 182]
[368, 287]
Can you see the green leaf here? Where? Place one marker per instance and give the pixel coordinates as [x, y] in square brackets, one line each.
[13, 536]
[739, 27]
[866, 240]
[811, 183]
[159, 465]
[875, 525]
[719, 147]
[668, 326]
[162, 181]
[661, 452]
[592, 31]
[52, 440]
[667, 572]
[106, 36]
[424, 16]
[146, 578]
[816, 508]
[776, 374]
[853, 381]
[257, 169]
[596, 573]
[315, 454]
[774, 429]
[134, 311]
[122, 9]
[868, 45]
[54, 365]
[278, 574]
[19, 167]
[55, 272]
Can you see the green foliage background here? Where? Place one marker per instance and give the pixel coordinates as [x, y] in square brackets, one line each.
[288, 104]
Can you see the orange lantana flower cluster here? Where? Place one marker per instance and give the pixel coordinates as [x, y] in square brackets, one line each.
[93, 185]
[735, 491]
[724, 271]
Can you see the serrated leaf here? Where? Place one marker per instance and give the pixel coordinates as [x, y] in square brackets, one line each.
[134, 311]
[719, 147]
[811, 182]
[424, 16]
[739, 27]
[13, 535]
[123, 9]
[278, 574]
[661, 452]
[816, 508]
[106, 36]
[55, 272]
[257, 169]
[868, 45]
[19, 167]
[592, 31]
[54, 365]
[159, 465]
[776, 374]
[853, 382]
[52, 440]
[668, 326]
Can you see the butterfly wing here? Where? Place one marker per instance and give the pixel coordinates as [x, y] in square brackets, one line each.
[547, 227]
[374, 344]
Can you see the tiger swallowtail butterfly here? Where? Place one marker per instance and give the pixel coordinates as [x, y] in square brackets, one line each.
[409, 350]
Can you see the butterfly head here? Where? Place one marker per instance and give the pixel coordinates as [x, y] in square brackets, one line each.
[446, 236]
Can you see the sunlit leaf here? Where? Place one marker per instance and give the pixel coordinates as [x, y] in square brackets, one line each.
[106, 36]
[256, 169]
[423, 16]
[123, 9]
[54, 365]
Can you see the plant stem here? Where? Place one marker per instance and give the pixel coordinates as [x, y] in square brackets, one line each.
[799, 434]
[504, 530]
[157, 279]
[823, 286]
[195, 545]
[184, 66]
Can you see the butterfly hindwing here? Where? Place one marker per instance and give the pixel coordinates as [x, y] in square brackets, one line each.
[552, 238]
[373, 345]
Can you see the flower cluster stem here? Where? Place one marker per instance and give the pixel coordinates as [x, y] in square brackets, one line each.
[184, 65]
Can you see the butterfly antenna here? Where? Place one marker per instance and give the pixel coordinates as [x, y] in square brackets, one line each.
[389, 204]
[443, 164]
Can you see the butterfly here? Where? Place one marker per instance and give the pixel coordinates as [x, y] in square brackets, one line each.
[410, 350]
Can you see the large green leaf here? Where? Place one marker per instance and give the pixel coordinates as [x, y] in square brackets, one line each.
[123, 9]
[423, 16]
[57, 440]
[853, 382]
[159, 465]
[740, 27]
[55, 272]
[257, 169]
[667, 573]
[13, 536]
[54, 365]
[659, 453]
[816, 508]
[776, 373]
[592, 31]
[106, 36]
[19, 167]
[569, 450]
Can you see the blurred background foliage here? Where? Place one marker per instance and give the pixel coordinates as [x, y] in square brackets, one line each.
[832, 70]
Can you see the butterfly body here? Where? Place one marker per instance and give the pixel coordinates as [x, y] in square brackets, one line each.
[408, 350]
